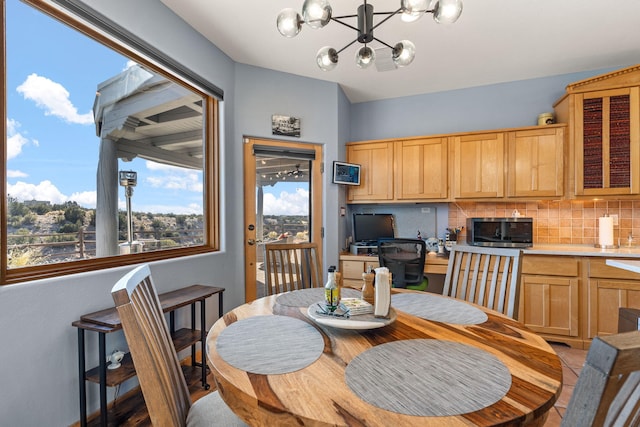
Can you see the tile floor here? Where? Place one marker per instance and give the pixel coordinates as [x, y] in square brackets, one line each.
[572, 360]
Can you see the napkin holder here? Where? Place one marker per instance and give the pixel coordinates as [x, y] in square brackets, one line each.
[382, 304]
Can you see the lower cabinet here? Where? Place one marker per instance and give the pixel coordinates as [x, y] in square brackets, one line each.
[609, 289]
[352, 267]
[549, 297]
[563, 298]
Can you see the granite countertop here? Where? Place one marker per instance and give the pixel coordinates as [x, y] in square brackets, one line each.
[583, 250]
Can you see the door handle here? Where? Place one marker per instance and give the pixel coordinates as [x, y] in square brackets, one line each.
[251, 242]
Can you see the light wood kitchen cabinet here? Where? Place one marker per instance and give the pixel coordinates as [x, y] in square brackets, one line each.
[549, 297]
[376, 172]
[421, 169]
[609, 289]
[478, 165]
[352, 267]
[605, 135]
[535, 166]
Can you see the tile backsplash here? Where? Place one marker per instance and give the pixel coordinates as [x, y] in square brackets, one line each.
[569, 222]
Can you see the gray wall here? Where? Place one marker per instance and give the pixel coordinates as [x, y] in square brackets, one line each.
[261, 93]
[486, 107]
[38, 367]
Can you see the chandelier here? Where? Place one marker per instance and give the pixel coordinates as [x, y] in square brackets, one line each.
[318, 13]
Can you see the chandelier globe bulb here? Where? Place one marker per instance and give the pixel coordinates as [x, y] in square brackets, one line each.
[403, 53]
[365, 56]
[289, 23]
[412, 10]
[446, 11]
[316, 13]
[327, 58]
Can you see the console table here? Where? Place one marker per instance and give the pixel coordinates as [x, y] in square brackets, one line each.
[107, 321]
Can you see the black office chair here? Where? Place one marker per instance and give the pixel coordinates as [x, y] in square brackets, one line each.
[405, 260]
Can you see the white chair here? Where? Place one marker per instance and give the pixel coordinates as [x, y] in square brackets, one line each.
[161, 379]
[485, 276]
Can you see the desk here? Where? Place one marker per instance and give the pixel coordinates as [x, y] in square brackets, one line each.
[311, 380]
[352, 267]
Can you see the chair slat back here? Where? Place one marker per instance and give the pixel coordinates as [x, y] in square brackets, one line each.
[608, 389]
[157, 366]
[291, 266]
[486, 276]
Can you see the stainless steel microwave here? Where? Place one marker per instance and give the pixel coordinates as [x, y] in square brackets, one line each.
[500, 232]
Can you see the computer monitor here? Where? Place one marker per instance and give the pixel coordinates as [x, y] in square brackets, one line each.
[368, 228]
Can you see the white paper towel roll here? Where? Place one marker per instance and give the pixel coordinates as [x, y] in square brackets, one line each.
[605, 231]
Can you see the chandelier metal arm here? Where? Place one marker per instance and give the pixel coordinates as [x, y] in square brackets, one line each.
[385, 19]
[337, 19]
[380, 41]
[337, 52]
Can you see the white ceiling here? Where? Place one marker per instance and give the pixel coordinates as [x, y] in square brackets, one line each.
[493, 41]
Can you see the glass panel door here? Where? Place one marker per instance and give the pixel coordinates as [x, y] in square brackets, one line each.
[283, 195]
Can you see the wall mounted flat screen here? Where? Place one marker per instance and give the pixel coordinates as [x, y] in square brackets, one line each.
[369, 228]
[346, 173]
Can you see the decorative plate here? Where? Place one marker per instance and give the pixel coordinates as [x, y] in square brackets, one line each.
[361, 321]
[432, 244]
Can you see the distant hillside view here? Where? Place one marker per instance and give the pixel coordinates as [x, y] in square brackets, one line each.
[292, 227]
[39, 232]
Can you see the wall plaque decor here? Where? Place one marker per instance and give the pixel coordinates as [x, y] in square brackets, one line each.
[285, 125]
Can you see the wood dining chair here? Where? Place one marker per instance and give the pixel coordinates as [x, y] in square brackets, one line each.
[607, 392]
[291, 266]
[486, 276]
[155, 359]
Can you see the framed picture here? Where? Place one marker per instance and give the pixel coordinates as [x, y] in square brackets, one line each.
[285, 125]
[346, 173]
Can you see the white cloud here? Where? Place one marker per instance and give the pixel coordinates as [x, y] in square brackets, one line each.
[86, 199]
[174, 178]
[53, 98]
[15, 140]
[47, 191]
[287, 203]
[43, 191]
[16, 174]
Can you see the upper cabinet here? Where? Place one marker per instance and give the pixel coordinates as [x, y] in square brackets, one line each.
[478, 165]
[605, 134]
[535, 166]
[504, 164]
[403, 171]
[421, 169]
[376, 172]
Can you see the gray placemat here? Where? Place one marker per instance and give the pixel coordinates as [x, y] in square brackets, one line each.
[439, 309]
[306, 297]
[425, 377]
[270, 344]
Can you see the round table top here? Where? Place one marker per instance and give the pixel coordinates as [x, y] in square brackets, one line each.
[274, 365]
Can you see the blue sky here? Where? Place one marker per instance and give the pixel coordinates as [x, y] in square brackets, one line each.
[52, 76]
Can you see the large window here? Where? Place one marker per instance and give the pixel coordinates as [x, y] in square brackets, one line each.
[110, 155]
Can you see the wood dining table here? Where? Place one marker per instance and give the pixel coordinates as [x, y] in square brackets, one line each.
[436, 361]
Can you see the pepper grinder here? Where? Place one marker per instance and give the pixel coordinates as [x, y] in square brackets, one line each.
[368, 290]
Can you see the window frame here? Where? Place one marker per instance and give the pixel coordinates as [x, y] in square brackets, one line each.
[111, 36]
